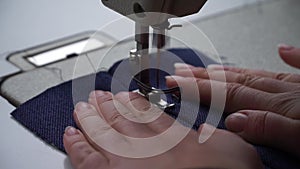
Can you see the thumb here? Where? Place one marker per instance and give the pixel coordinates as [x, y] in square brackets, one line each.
[266, 128]
[290, 55]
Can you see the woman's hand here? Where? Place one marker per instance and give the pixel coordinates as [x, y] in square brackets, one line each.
[131, 115]
[265, 106]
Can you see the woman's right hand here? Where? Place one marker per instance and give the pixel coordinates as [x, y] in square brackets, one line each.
[99, 146]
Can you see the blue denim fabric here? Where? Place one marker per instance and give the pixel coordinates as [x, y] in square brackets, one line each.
[48, 114]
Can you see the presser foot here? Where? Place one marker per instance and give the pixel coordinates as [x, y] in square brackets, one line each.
[157, 96]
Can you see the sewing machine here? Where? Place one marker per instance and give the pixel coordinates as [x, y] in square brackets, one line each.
[152, 14]
[52, 62]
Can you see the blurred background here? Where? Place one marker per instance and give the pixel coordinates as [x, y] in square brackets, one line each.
[25, 24]
[28, 23]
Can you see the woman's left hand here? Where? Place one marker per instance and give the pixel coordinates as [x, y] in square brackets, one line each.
[264, 106]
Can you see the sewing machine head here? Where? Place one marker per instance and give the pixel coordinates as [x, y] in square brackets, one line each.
[155, 14]
[152, 14]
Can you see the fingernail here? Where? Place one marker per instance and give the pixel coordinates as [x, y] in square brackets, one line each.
[236, 122]
[215, 67]
[181, 66]
[174, 78]
[70, 131]
[92, 94]
[97, 93]
[82, 106]
[168, 77]
[206, 132]
[285, 47]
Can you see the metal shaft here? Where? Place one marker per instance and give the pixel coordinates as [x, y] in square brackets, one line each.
[142, 46]
[159, 40]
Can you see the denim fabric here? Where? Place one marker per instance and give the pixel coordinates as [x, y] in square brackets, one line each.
[48, 114]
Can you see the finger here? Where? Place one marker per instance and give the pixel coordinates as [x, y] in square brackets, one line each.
[205, 131]
[198, 72]
[287, 77]
[155, 118]
[97, 131]
[182, 66]
[106, 139]
[186, 70]
[201, 72]
[290, 55]
[238, 97]
[256, 82]
[93, 101]
[229, 142]
[81, 153]
[262, 127]
[118, 116]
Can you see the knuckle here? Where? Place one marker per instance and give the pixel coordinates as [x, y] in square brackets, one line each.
[258, 124]
[134, 96]
[240, 70]
[85, 115]
[92, 159]
[284, 102]
[233, 89]
[282, 76]
[247, 79]
[123, 97]
[105, 98]
[127, 97]
[202, 83]
[152, 109]
[242, 79]
[146, 108]
[128, 115]
[201, 72]
[80, 147]
[116, 118]
[294, 78]
[121, 94]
